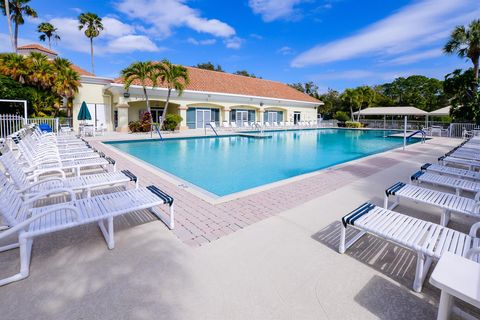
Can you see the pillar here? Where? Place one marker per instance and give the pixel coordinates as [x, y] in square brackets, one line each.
[226, 114]
[122, 109]
[182, 110]
[261, 112]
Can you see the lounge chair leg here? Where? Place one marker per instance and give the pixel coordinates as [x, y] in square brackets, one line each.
[108, 234]
[385, 202]
[423, 264]
[343, 231]
[445, 217]
[25, 254]
[170, 223]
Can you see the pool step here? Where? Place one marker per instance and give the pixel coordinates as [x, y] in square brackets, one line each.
[255, 135]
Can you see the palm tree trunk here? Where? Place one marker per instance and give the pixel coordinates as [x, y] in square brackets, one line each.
[91, 55]
[15, 38]
[9, 23]
[148, 109]
[351, 112]
[49, 44]
[164, 113]
[475, 69]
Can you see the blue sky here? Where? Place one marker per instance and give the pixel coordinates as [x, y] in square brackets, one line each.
[335, 43]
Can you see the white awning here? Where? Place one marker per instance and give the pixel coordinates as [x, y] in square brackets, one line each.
[392, 111]
[441, 112]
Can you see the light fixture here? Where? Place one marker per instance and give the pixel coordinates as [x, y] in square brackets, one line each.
[126, 94]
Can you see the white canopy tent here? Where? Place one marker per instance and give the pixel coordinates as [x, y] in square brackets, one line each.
[440, 112]
[394, 111]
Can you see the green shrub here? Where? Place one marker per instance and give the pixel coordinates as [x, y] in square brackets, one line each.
[172, 121]
[353, 124]
[341, 116]
[134, 126]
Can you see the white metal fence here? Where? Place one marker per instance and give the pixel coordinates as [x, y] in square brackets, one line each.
[9, 123]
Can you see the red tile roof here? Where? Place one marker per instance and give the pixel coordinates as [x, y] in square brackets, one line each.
[34, 46]
[222, 82]
[81, 71]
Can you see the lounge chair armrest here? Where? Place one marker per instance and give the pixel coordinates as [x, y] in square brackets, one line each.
[37, 175]
[28, 221]
[41, 195]
[471, 252]
[39, 182]
[474, 229]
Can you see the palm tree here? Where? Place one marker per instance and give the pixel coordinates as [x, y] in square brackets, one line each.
[174, 77]
[40, 70]
[92, 24]
[6, 7]
[14, 66]
[351, 97]
[465, 42]
[18, 8]
[66, 83]
[48, 31]
[143, 74]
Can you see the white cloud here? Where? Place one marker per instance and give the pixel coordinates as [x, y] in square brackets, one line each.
[6, 44]
[256, 36]
[164, 15]
[285, 51]
[76, 10]
[117, 37]
[129, 43]
[271, 10]
[411, 27]
[415, 57]
[233, 43]
[205, 42]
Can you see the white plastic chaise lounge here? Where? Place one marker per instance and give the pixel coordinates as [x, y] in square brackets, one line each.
[451, 171]
[449, 160]
[29, 186]
[31, 166]
[427, 239]
[30, 222]
[457, 184]
[448, 202]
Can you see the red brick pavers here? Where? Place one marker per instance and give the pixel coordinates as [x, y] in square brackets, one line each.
[198, 222]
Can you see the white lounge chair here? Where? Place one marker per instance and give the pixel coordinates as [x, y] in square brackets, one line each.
[451, 171]
[448, 202]
[470, 164]
[28, 222]
[457, 184]
[427, 239]
[29, 186]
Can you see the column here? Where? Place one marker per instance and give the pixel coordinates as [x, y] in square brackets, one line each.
[122, 109]
[226, 114]
[261, 112]
[182, 110]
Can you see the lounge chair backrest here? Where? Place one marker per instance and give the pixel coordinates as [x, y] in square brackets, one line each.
[8, 160]
[12, 206]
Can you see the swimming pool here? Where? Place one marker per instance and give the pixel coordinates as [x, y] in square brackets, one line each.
[225, 165]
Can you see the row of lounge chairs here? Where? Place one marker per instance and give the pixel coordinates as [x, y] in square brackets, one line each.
[265, 125]
[457, 172]
[68, 169]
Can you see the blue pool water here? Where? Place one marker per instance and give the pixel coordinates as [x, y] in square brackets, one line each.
[226, 165]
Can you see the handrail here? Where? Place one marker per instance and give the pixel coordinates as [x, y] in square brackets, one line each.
[424, 135]
[210, 125]
[158, 131]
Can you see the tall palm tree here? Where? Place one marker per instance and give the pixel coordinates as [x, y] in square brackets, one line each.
[14, 66]
[173, 77]
[66, 83]
[92, 24]
[465, 42]
[18, 8]
[48, 31]
[143, 74]
[6, 7]
[40, 70]
[351, 97]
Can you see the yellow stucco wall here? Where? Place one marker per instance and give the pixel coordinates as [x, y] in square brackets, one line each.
[93, 93]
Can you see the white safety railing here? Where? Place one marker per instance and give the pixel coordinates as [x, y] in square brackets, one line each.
[9, 123]
[52, 122]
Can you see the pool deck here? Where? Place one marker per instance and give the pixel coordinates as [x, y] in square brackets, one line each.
[268, 255]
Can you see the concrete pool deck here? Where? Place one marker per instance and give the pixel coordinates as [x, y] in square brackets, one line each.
[281, 264]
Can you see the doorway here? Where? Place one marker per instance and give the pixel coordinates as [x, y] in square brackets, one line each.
[203, 117]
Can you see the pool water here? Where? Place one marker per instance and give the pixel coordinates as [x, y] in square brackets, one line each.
[225, 165]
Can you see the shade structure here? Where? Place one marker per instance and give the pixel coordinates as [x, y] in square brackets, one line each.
[392, 111]
[84, 114]
[441, 112]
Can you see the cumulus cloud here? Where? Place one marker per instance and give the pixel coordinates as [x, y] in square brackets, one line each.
[6, 44]
[164, 15]
[415, 57]
[233, 43]
[285, 51]
[205, 42]
[117, 37]
[413, 26]
[271, 10]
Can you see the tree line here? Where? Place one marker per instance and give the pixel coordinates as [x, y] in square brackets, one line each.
[212, 67]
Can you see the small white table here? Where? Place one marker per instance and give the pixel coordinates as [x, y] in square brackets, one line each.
[456, 277]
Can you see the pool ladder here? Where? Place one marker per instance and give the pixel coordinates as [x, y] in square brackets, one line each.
[211, 127]
[158, 131]
[423, 133]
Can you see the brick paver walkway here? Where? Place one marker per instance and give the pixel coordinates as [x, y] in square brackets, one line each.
[198, 222]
